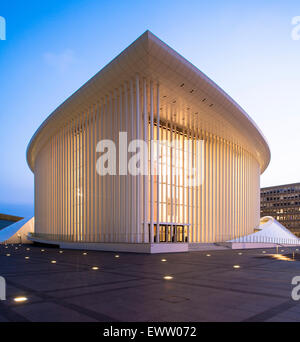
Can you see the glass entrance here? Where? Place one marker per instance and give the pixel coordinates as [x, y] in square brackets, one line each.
[170, 233]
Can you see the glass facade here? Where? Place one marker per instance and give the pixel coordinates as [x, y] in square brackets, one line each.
[283, 203]
[178, 154]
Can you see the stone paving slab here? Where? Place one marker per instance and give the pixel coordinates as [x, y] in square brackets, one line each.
[131, 287]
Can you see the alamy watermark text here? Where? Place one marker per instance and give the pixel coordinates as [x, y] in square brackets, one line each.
[2, 288]
[296, 29]
[296, 289]
[2, 28]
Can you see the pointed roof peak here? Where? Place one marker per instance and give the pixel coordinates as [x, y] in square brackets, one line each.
[147, 35]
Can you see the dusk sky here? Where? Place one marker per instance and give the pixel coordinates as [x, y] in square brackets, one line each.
[53, 47]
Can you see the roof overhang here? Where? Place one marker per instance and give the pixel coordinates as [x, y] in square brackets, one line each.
[192, 96]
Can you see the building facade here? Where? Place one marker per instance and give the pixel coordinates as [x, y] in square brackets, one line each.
[147, 93]
[283, 203]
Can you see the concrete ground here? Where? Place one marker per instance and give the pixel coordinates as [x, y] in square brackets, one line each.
[132, 287]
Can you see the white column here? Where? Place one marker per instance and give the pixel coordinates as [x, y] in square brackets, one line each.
[132, 178]
[116, 193]
[138, 177]
[157, 160]
[151, 165]
[101, 178]
[127, 180]
[146, 199]
[122, 195]
[110, 177]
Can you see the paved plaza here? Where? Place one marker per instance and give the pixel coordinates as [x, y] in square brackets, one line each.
[90, 286]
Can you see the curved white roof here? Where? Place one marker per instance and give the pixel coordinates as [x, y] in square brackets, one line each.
[270, 231]
[192, 95]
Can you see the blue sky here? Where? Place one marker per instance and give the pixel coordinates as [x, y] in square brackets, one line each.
[53, 47]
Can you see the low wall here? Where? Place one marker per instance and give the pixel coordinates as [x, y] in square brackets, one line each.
[152, 248]
[250, 245]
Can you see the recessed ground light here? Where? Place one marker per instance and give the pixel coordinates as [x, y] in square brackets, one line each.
[117, 256]
[7, 254]
[6, 247]
[27, 249]
[207, 254]
[16, 247]
[240, 253]
[95, 268]
[264, 252]
[236, 266]
[27, 257]
[163, 260]
[84, 253]
[168, 277]
[42, 250]
[53, 261]
[20, 299]
[282, 250]
[60, 252]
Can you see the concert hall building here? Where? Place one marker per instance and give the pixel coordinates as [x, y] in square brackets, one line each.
[151, 93]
